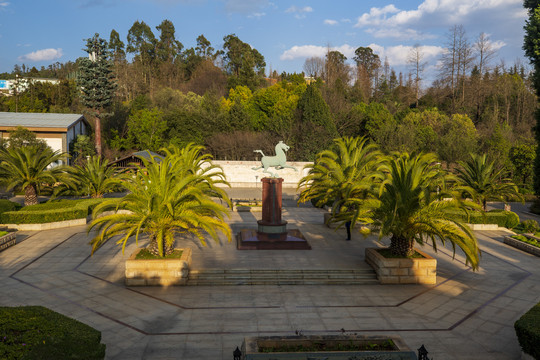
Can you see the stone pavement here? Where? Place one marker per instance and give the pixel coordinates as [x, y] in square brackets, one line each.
[466, 315]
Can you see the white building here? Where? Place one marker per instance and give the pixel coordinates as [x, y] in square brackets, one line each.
[58, 130]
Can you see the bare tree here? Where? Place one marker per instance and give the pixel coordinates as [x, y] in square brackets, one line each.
[484, 52]
[314, 67]
[417, 67]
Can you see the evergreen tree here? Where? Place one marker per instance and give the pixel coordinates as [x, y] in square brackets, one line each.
[531, 45]
[96, 81]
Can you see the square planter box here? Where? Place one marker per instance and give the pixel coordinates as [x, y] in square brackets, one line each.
[251, 346]
[403, 271]
[7, 240]
[158, 272]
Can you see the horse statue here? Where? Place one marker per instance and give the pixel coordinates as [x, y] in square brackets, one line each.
[278, 161]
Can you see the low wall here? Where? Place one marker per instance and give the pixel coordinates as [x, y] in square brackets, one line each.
[241, 173]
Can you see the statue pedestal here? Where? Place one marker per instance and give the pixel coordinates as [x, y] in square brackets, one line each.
[272, 233]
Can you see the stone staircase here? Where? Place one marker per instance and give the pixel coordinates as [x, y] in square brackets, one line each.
[216, 277]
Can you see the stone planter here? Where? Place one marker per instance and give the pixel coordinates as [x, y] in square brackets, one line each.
[158, 272]
[251, 345]
[403, 271]
[531, 249]
[7, 240]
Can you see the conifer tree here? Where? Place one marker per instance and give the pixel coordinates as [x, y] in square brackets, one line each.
[96, 81]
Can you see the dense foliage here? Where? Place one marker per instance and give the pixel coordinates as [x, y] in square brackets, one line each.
[35, 332]
[528, 331]
[225, 99]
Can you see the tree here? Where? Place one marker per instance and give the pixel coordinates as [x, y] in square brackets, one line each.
[166, 198]
[167, 48]
[417, 66]
[531, 45]
[146, 129]
[522, 157]
[410, 211]
[32, 168]
[244, 64]
[367, 65]
[95, 177]
[96, 81]
[336, 69]
[483, 182]
[116, 47]
[315, 127]
[341, 176]
[21, 137]
[204, 49]
[314, 67]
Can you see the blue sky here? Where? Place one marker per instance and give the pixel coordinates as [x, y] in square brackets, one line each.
[38, 32]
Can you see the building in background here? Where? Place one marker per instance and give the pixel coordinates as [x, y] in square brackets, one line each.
[58, 130]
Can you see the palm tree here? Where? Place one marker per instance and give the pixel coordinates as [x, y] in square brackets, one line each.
[341, 177]
[164, 200]
[483, 182]
[410, 211]
[95, 177]
[31, 168]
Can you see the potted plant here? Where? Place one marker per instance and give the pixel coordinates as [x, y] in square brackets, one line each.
[413, 207]
[168, 196]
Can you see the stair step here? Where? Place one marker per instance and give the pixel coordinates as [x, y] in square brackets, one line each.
[218, 277]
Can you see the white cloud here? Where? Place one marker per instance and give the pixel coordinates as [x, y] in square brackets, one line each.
[245, 7]
[300, 12]
[256, 15]
[399, 34]
[307, 51]
[388, 21]
[330, 22]
[42, 55]
[397, 55]
[295, 9]
[3, 4]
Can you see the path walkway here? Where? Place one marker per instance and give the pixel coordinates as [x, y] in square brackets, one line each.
[467, 315]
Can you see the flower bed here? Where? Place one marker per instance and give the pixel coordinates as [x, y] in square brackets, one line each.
[524, 242]
[161, 272]
[326, 347]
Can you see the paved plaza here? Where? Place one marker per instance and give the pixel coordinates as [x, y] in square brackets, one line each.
[466, 315]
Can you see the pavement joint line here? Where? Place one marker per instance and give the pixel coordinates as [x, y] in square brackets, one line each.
[451, 327]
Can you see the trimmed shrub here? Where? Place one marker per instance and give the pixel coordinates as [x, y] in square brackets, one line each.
[57, 210]
[528, 332]
[35, 332]
[530, 226]
[501, 218]
[6, 205]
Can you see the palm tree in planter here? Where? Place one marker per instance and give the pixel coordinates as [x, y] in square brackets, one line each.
[480, 180]
[411, 211]
[164, 199]
[32, 168]
[95, 177]
[343, 176]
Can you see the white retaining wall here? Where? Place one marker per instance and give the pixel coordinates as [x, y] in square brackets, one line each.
[240, 173]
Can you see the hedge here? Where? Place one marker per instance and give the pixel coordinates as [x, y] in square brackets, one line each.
[35, 332]
[528, 332]
[6, 205]
[57, 210]
[502, 218]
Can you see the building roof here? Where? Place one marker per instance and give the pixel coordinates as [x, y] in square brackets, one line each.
[135, 158]
[38, 120]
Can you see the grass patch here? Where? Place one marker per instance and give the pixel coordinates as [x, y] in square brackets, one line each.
[52, 211]
[2, 233]
[330, 346]
[389, 255]
[35, 332]
[144, 254]
[527, 240]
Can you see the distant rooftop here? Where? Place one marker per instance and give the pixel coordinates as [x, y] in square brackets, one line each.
[38, 120]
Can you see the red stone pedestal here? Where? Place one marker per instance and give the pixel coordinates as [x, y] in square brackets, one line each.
[272, 233]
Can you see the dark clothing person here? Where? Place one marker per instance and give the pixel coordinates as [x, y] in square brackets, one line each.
[348, 227]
